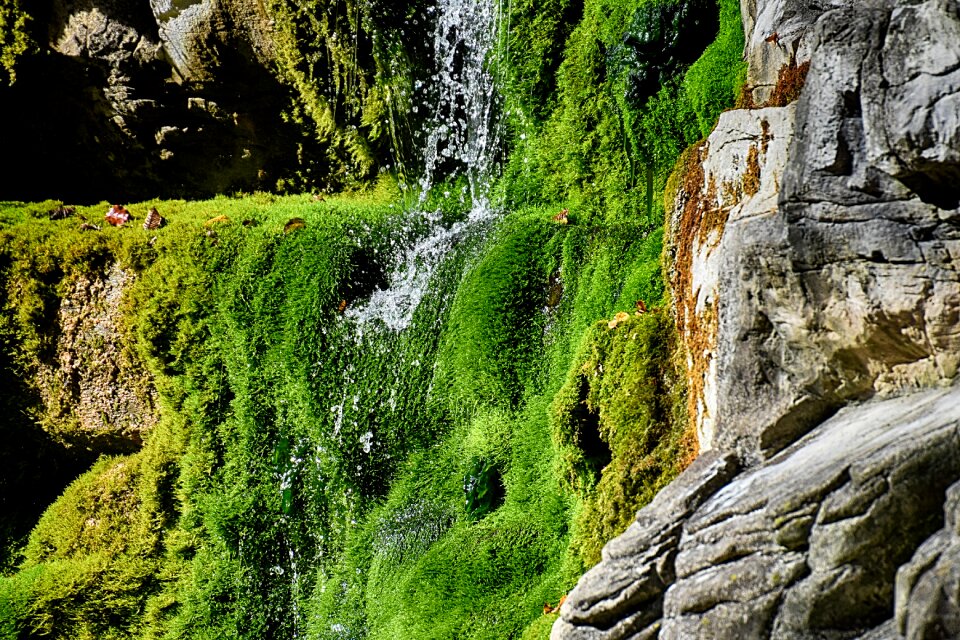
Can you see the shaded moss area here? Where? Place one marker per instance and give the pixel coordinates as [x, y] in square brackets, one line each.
[354, 67]
[14, 37]
[619, 424]
[287, 97]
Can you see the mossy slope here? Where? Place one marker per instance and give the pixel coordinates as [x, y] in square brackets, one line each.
[309, 478]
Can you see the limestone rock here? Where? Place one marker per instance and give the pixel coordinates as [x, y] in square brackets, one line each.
[815, 273]
[928, 587]
[804, 545]
[94, 117]
[624, 594]
[191, 31]
[777, 34]
[843, 286]
[729, 198]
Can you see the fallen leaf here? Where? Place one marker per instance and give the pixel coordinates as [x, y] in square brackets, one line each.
[217, 220]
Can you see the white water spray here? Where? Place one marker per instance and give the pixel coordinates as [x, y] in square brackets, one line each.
[465, 128]
[464, 134]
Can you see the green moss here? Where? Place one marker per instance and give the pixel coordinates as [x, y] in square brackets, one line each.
[15, 39]
[91, 562]
[587, 142]
[240, 327]
[619, 424]
[352, 68]
[712, 84]
[305, 479]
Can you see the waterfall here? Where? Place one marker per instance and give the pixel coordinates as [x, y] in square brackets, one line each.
[372, 400]
[465, 131]
[462, 140]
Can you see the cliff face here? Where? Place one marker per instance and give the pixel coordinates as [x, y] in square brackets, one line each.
[816, 287]
[175, 98]
[192, 98]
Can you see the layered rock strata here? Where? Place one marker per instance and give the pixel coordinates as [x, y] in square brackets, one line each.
[805, 545]
[815, 270]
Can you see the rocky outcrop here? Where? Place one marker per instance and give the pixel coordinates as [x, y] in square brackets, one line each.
[727, 203]
[807, 278]
[927, 601]
[778, 37]
[96, 393]
[805, 545]
[851, 287]
[816, 283]
[174, 97]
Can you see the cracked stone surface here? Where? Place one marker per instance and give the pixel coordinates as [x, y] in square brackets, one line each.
[806, 545]
[927, 602]
[815, 270]
[777, 33]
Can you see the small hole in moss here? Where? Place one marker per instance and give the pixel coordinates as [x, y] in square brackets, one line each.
[596, 452]
[483, 488]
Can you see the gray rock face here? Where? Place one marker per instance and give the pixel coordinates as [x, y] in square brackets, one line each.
[119, 39]
[94, 117]
[928, 587]
[861, 290]
[804, 545]
[777, 35]
[192, 31]
[624, 594]
[816, 282]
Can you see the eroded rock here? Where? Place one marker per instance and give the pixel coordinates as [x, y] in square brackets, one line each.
[729, 197]
[845, 284]
[804, 545]
[777, 35]
[96, 393]
[928, 587]
[623, 596]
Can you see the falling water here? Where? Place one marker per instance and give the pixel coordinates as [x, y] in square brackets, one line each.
[371, 403]
[462, 140]
[465, 131]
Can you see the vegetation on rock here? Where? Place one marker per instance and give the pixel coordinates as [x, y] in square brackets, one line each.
[313, 472]
[14, 38]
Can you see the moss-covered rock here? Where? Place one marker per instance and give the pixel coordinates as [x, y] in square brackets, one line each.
[96, 392]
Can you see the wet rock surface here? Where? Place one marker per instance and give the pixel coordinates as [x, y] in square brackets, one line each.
[816, 284]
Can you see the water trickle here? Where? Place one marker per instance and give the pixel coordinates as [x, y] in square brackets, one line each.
[466, 128]
[462, 140]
